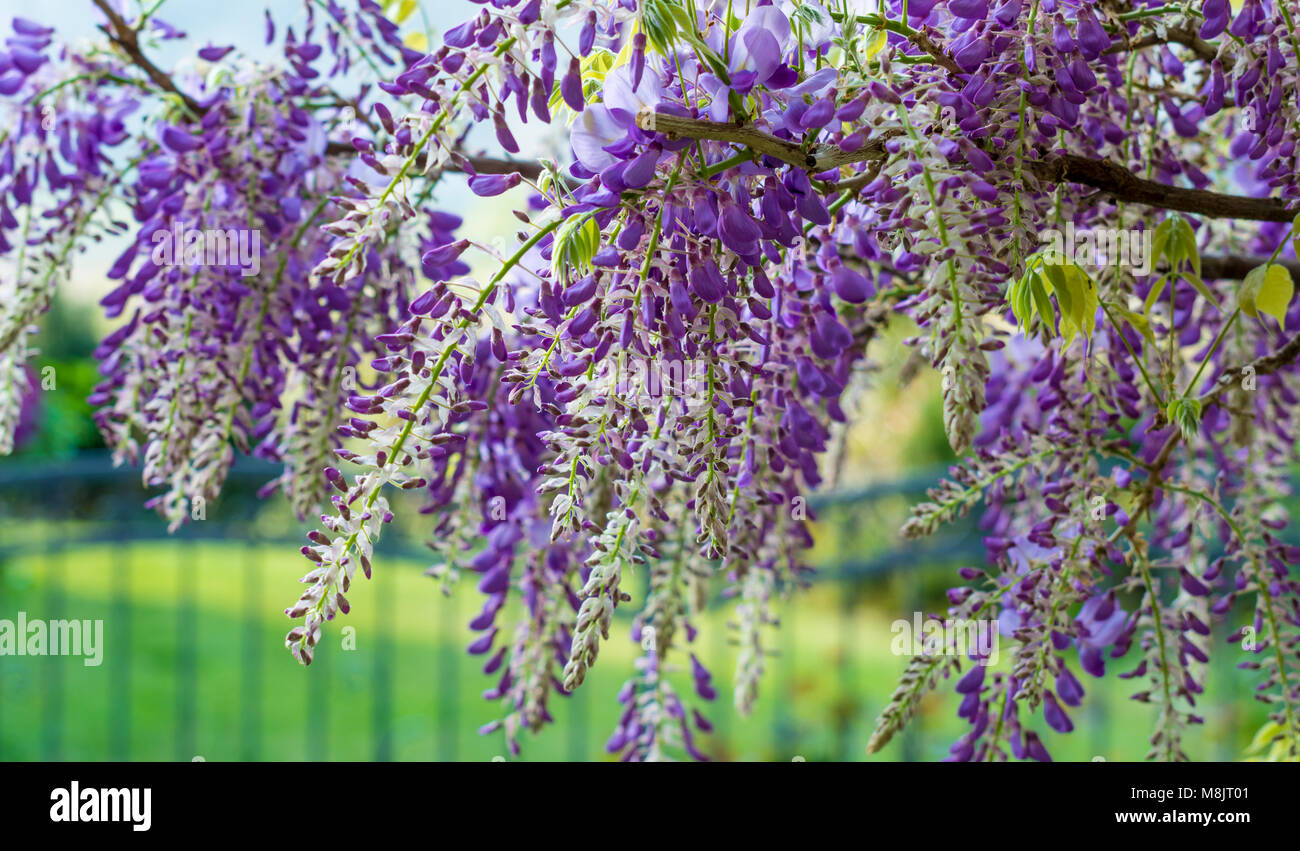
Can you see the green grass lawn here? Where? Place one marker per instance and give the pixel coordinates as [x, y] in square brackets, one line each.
[194, 666]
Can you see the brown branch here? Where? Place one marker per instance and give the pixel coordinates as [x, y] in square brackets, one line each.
[480, 164]
[1235, 268]
[819, 158]
[1184, 36]
[1111, 179]
[121, 34]
[1123, 185]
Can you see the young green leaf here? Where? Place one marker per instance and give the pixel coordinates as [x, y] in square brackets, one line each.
[1187, 242]
[1195, 280]
[1186, 414]
[1266, 288]
[576, 243]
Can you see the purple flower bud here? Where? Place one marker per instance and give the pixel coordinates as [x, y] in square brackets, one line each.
[829, 337]
[486, 185]
[482, 644]
[214, 54]
[180, 141]
[972, 55]
[638, 58]
[972, 681]
[571, 87]
[681, 299]
[1008, 13]
[461, 36]
[1192, 585]
[1093, 38]
[442, 255]
[504, 136]
[1069, 688]
[425, 302]
[819, 114]
[1061, 38]
[737, 230]
[1216, 18]
[587, 37]
[24, 26]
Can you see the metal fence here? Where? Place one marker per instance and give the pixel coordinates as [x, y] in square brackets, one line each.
[197, 669]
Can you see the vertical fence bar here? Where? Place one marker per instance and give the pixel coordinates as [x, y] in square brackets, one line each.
[1098, 713]
[846, 702]
[721, 715]
[446, 694]
[785, 726]
[250, 676]
[119, 683]
[4, 577]
[51, 670]
[382, 717]
[186, 654]
[318, 713]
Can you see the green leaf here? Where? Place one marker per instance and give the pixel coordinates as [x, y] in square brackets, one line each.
[1085, 301]
[1042, 301]
[1187, 243]
[1137, 320]
[1195, 280]
[1018, 297]
[1061, 287]
[1152, 297]
[1275, 296]
[1266, 288]
[1160, 241]
[1076, 297]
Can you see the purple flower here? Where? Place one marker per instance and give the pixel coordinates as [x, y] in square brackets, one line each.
[850, 285]
[214, 54]
[180, 141]
[493, 184]
[1034, 747]
[703, 679]
[1216, 14]
[571, 87]
[1055, 715]
[976, 10]
[829, 337]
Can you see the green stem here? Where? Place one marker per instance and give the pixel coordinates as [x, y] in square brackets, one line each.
[1137, 360]
[1214, 348]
